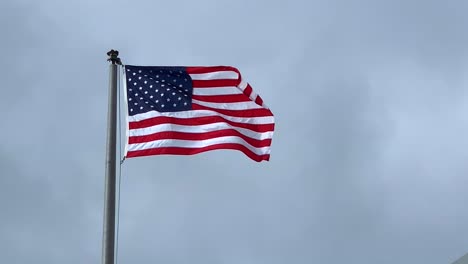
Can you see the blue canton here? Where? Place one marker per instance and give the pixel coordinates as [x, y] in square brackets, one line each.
[163, 89]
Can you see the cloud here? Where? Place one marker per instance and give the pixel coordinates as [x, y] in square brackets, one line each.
[368, 156]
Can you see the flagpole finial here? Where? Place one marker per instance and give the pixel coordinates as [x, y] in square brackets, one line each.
[114, 57]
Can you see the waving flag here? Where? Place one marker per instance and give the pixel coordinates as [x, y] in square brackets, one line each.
[189, 110]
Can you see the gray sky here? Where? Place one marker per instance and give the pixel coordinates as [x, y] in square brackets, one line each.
[368, 159]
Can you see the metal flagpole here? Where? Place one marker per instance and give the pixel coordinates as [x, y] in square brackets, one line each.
[108, 236]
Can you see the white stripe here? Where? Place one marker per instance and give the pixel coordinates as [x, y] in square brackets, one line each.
[242, 85]
[216, 91]
[215, 75]
[164, 143]
[253, 95]
[203, 113]
[229, 106]
[199, 129]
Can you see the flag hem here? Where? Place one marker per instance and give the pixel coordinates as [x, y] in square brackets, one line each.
[127, 131]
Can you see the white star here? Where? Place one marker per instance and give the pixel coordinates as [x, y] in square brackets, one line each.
[146, 75]
[157, 76]
[185, 79]
[185, 103]
[180, 98]
[162, 106]
[146, 82]
[180, 72]
[157, 101]
[175, 105]
[168, 99]
[151, 97]
[146, 102]
[152, 106]
[130, 89]
[162, 94]
[139, 71]
[185, 95]
[139, 78]
[146, 92]
[129, 79]
[134, 83]
[131, 109]
[162, 85]
[168, 89]
[170, 71]
[128, 69]
[136, 94]
[135, 103]
[157, 81]
[141, 107]
[186, 90]
[180, 85]
[141, 88]
[173, 93]
[174, 80]
[134, 73]
[141, 98]
[157, 90]
[163, 80]
[129, 99]
[151, 86]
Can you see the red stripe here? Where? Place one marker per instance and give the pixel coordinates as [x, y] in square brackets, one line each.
[259, 100]
[196, 121]
[199, 136]
[228, 98]
[209, 69]
[192, 151]
[248, 90]
[257, 112]
[214, 83]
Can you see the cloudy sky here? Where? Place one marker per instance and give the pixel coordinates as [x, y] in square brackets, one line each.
[369, 158]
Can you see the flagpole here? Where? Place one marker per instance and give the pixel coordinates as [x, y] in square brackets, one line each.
[108, 236]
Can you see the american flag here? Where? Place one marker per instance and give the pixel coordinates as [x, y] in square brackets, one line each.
[190, 110]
